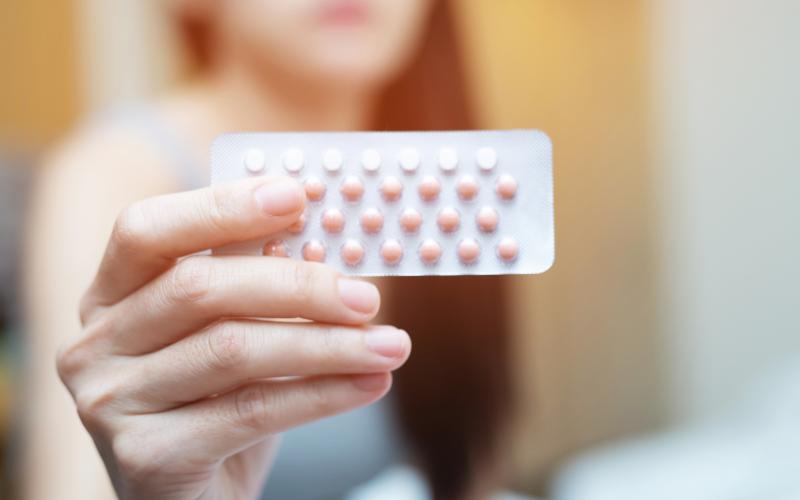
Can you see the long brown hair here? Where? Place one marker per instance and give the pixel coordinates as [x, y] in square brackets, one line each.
[453, 395]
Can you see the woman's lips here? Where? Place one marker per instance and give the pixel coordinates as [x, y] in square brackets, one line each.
[344, 12]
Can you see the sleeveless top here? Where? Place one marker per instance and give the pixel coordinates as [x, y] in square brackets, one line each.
[318, 461]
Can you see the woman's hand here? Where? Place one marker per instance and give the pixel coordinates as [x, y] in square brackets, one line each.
[180, 386]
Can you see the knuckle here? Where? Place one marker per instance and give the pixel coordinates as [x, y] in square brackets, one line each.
[302, 280]
[70, 360]
[318, 399]
[94, 402]
[134, 457]
[226, 346]
[331, 347]
[252, 406]
[190, 280]
[217, 207]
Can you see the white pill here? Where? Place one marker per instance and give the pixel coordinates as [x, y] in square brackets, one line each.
[486, 158]
[409, 160]
[332, 160]
[293, 160]
[254, 160]
[448, 159]
[371, 160]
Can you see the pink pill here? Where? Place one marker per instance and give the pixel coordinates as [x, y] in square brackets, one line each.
[468, 251]
[352, 252]
[391, 189]
[276, 248]
[487, 219]
[315, 189]
[352, 189]
[299, 226]
[314, 251]
[506, 187]
[429, 188]
[430, 251]
[410, 220]
[448, 219]
[333, 220]
[508, 249]
[391, 252]
[371, 220]
[467, 188]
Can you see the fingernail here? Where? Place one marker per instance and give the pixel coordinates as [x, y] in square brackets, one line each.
[280, 197]
[370, 383]
[359, 296]
[388, 342]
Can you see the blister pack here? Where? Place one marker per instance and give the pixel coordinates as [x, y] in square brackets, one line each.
[406, 203]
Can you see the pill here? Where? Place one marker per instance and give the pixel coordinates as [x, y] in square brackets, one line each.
[506, 187]
[254, 160]
[409, 160]
[430, 251]
[371, 221]
[391, 189]
[508, 249]
[352, 189]
[467, 188]
[314, 251]
[429, 188]
[468, 251]
[448, 159]
[315, 189]
[276, 248]
[332, 160]
[371, 160]
[333, 220]
[391, 252]
[486, 158]
[293, 160]
[487, 219]
[352, 252]
[448, 219]
[410, 220]
[299, 225]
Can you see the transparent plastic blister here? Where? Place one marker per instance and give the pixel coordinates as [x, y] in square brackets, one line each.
[406, 203]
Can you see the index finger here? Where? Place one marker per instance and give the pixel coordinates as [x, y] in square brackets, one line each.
[151, 234]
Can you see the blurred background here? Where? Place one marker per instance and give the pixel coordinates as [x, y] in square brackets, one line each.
[660, 358]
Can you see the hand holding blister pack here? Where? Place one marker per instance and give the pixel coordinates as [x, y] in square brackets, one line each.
[406, 203]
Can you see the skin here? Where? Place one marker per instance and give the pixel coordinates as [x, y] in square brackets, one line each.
[181, 390]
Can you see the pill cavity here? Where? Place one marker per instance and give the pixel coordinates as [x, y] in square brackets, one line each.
[332, 160]
[448, 219]
[468, 251]
[352, 189]
[429, 188]
[391, 252]
[352, 252]
[391, 189]
[448, 159]
[315, 189]
[410, 220]
[506, 187]
[314, 251]
[467, 188]
[276, 248]
[371, 220]
[371, 160]
[487, 219]
[333, 221]
[486, 158]
[409, 160]
[293, 160]
[299, 225]
[254, 160]
[508, 249]
[430, 251]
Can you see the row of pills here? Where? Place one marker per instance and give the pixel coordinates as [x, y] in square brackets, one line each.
[391, 188]
[372, 221]
[429, 251]
[409, 159]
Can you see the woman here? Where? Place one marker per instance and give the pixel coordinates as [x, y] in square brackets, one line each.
[179, 389]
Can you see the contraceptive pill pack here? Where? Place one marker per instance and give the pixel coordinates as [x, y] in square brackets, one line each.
[406, 203]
